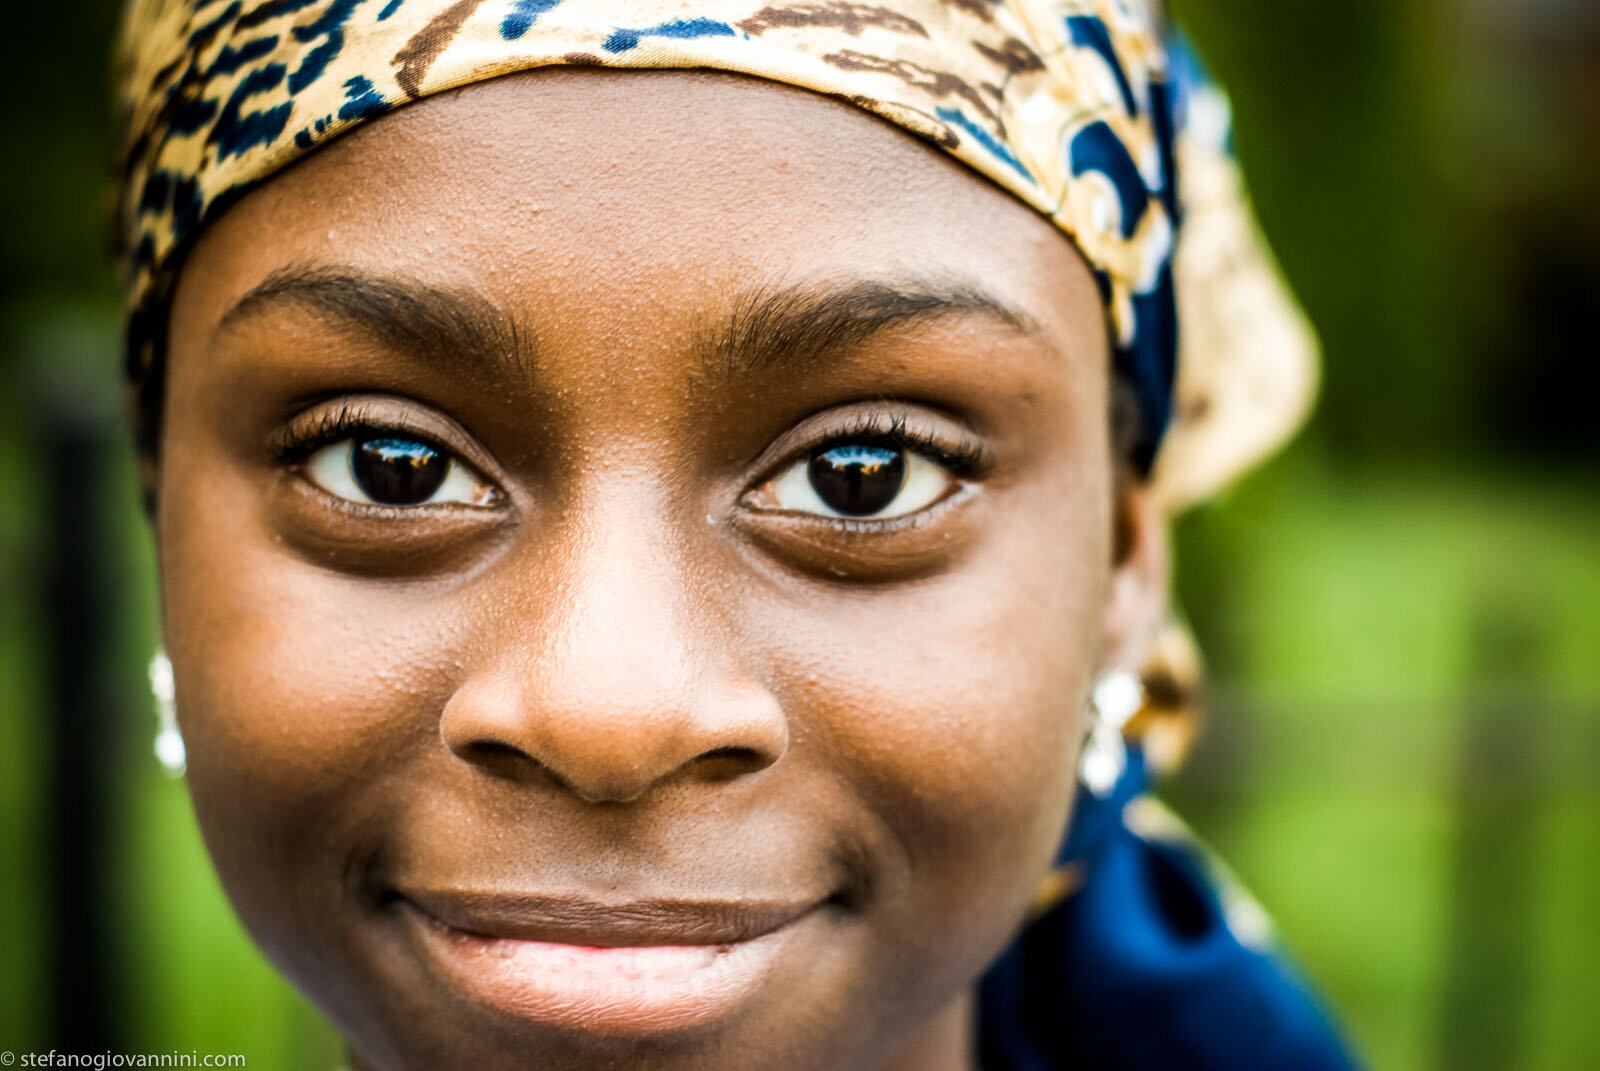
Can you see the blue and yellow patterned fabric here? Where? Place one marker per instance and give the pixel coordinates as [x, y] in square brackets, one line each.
[1061, 102]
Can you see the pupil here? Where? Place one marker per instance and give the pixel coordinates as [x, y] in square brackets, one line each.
[398, 472]
[857, 481]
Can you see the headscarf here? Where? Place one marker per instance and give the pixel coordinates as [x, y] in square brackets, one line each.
[1074, 106]
[1063, 103]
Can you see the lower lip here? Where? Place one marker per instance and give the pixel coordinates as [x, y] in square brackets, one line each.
[623, 992]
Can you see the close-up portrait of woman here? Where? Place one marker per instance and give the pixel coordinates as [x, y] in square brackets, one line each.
[682, 536]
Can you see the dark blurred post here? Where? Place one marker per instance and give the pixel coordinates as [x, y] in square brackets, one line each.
[53, 266]
[1485, 1011]
[75, 422]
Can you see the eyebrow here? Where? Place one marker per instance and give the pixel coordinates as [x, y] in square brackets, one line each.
[769, 328]
[450, 326]
[795, 325]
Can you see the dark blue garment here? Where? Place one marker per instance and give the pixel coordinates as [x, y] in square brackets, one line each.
[1138, 969]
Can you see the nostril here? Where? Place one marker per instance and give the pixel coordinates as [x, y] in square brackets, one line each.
[726, 763]
[494, 749]
[498, 758]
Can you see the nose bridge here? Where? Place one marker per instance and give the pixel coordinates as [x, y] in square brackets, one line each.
[612, 676]
[620, 635]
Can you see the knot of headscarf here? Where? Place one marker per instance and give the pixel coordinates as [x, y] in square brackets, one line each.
[1061, 102]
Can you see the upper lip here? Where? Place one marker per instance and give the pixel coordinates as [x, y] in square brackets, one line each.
[577, 920]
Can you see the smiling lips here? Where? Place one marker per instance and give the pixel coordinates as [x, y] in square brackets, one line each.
[632, 969]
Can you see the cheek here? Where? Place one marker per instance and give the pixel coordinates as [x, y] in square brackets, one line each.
[304, 685]
[953, 708]
[299, 693]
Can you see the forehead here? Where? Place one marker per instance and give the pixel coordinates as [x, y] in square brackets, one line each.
[677, 184]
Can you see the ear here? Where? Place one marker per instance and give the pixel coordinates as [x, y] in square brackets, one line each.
[1140, 573]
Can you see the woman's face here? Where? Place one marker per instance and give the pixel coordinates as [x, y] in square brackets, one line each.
[635, 548]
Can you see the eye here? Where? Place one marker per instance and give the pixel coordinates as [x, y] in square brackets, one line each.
[390, 470]
[861, 481]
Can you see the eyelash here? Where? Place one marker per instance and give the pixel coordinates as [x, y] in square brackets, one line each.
[965, 458]
[301, 439]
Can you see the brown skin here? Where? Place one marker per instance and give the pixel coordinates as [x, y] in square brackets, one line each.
[632, 673]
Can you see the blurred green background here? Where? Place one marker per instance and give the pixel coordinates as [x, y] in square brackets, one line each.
[1401, 613]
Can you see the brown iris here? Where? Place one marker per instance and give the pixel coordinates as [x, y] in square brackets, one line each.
[857, 480]
[398, 472]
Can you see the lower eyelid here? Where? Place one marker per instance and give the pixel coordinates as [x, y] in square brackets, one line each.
[844, 550]
[392, 542]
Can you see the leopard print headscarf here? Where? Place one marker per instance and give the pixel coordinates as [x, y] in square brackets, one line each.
[1064, 103]
[1078, 107]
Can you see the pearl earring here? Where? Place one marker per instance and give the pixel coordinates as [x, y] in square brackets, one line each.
[1117, 696]
[169, 741]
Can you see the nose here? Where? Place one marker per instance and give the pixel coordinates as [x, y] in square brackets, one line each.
[609, 678]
